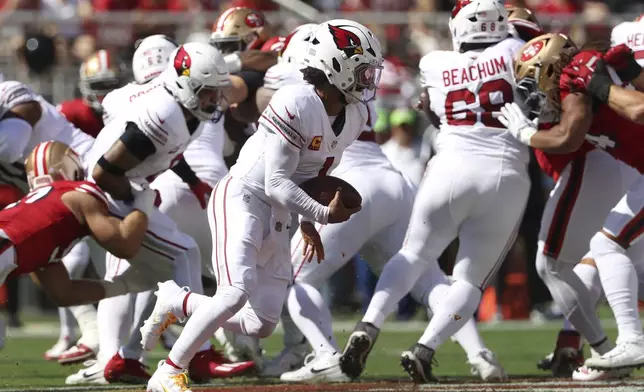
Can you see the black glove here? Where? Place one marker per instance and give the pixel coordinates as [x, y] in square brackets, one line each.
[621, 58]
[600, 82]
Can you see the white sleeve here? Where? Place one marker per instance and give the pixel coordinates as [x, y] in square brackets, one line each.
[14, 136]
[281, 162]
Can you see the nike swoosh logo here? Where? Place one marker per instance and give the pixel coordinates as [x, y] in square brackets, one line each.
[316, 371]
[161, 121]
[88, 375]
[291, 116]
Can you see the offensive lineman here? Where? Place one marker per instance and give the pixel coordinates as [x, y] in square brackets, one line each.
[476, 187]
[302, 133]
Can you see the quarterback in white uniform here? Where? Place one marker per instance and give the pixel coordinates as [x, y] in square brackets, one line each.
[475, 187]
[377, 231]
[301, 134]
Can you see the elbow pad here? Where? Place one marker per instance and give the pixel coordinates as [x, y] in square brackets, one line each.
[14, 137]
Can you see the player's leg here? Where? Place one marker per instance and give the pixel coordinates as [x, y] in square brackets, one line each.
[76, 262]
[433, 225]
[240, 223]
[66, 337]
[485, 237]
[584, 194]
[429, 291]
[614, 255]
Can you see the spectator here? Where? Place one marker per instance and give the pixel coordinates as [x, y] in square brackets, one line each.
[403, 148]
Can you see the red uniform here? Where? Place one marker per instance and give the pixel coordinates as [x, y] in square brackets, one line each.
[274, 44]
[83, 116]
[41, 228]
[609, 131]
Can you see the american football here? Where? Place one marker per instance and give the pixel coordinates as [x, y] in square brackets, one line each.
[322, 189]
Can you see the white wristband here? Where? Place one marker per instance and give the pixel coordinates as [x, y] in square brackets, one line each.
[234, 63]
[526, 134]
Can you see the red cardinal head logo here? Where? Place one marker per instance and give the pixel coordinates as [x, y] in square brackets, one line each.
[346, 40]
[182, 62]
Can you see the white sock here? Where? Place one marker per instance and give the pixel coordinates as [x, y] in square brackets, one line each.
[114, 322]
[619, 280]
[451, 314]
[567, 325]
[204, 321]
[76, 260]
[292, 334]
[397, 279]
[132, 349]
[193, 303]
[87, 322]
[66, 324]
[469, 338]
[311, 315]
[590, 277]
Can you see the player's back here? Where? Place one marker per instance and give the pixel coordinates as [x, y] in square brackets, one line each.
[466, 92]
[41, 227]
[632, 35]
[82, 116]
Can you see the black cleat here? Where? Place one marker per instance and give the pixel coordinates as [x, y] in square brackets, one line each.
[417, 362]
[360, 343]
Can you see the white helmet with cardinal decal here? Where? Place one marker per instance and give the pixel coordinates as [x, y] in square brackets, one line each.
[350, 56]
[197, 76]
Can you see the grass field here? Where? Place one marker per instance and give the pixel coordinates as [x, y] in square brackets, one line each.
[517, 345]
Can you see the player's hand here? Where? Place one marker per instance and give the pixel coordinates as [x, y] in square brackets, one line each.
[312, 242]
[519, 125]
[202, 192]
[622, 59]
[144, 199]
[337, 211]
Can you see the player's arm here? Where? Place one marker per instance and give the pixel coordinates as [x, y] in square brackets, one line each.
[263, 97]
[627, 103]
[250, 60]
[128, 152]
[121, 237]
[55, 281]
[423, 105]
[16, 127]
[565, 137]
[282, 158]
[200, 189]
[243, 107]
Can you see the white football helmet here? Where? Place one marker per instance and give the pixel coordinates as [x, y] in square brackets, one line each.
[350, 56]
[197, 76]
[296, 43]
[151, 57]
[478, 21]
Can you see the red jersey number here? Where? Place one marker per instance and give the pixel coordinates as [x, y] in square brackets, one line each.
[32, 197]
[491, 96]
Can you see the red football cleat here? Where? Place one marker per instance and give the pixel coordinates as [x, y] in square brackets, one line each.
[127, 371]
[210, 364]
[78, 353]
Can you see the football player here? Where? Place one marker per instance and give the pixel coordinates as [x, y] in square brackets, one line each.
[475, 187]
[37, 231]
[302, 134]
[373, 231]
[608, 118]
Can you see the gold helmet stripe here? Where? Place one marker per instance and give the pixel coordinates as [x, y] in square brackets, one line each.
[221, 22]
[41, 168]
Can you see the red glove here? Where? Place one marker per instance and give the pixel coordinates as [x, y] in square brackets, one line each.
[202, 192]
[621, 58]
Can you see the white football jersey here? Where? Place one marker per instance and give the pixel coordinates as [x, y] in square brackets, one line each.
[204, 154]
[359, 153]
[51, 126]
[297, 114]
[466, 92]
[161, 119]
[631, 34]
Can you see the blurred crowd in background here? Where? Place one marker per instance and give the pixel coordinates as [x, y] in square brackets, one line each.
[44, 41]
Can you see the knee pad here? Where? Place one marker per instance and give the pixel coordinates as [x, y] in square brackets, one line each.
[601, 245]
[253, 325]
[234, 297]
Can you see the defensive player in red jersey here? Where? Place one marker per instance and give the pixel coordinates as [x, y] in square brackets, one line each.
[101, 73]
[38, 230]
[549, 79]
[616, 247]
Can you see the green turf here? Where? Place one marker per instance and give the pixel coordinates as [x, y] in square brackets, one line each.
[22, 366]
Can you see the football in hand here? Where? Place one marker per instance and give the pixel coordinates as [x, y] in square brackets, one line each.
[323, 188]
